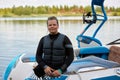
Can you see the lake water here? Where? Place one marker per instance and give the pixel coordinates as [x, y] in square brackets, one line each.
[21, 35]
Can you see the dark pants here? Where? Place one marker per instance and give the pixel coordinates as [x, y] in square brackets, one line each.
[39, 72]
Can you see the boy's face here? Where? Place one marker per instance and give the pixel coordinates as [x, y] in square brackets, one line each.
[52, 26]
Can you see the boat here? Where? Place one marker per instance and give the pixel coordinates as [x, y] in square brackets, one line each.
[93, 61]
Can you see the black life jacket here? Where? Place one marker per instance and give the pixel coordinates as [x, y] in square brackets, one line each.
[54, 51]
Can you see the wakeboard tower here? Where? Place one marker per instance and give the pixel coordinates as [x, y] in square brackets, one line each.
[90, 45]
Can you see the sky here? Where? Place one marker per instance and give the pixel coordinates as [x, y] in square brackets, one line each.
[10, 3]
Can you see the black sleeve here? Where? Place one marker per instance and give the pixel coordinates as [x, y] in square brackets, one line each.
[39, 54]
[69, 53]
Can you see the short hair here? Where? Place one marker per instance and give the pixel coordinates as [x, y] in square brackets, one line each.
[52, 18]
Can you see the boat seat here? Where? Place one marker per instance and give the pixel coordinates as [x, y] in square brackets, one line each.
[99, 51]
[114, 54]
[90, 61]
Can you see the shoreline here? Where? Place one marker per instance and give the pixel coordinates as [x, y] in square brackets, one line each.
[45, 18]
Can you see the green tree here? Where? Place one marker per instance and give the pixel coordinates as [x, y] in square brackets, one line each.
[87, 9]
[27, 10]
[19, 10]
[54, 9]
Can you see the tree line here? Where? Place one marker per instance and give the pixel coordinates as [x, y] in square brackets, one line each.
[57, 10]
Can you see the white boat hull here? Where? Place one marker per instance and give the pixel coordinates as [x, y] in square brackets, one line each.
[24, 70]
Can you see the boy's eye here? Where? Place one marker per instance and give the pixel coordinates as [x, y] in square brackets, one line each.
[52, 24]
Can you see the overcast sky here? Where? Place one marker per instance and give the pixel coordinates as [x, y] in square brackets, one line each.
[10, 3]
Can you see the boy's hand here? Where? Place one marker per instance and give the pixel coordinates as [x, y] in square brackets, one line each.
[48, 70]
[56, 73]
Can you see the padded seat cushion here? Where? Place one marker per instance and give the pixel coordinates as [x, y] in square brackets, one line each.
[114, 54]
[94, 50]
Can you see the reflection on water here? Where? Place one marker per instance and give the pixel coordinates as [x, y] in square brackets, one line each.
[19, 36]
